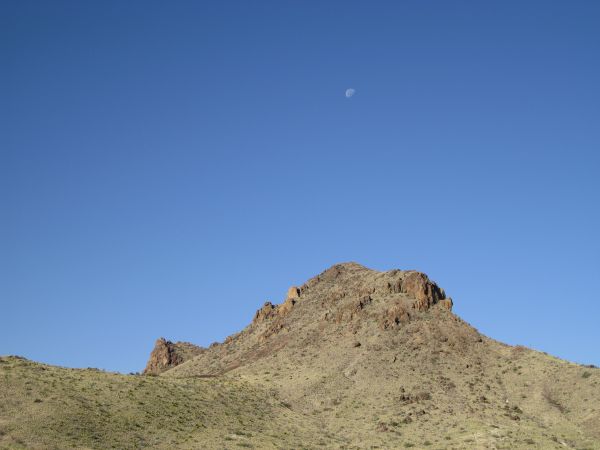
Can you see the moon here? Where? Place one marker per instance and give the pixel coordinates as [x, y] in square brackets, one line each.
[350, 92]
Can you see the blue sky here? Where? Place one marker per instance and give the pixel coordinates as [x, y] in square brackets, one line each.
[166, 167]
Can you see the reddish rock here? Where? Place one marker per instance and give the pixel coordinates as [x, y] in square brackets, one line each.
[425, 292]
[167, 354]
[293, 292]
[268, 311]
[394, 316]
[351, 311]
[292, 298]
[447, 303]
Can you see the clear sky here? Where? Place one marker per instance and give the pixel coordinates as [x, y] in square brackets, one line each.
[166, 167]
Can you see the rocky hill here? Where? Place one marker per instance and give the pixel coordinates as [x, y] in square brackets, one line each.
[380, 358]
[353, 358]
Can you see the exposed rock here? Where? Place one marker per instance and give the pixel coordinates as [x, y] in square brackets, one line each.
[425, 292]
[351, 311]
[167, 354]
[286, 306]
[447, 303]
[394, 286]
[267, 311]
[293, 292]
[292, 297]
[272, 329]
[394, 316]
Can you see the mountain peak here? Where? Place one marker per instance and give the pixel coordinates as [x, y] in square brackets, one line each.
[351, 287]
[341, 303]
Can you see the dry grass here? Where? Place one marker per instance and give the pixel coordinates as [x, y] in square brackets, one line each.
[303, 382]
[45, 407]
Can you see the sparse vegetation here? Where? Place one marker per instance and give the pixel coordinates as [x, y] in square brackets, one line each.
[96, 409]
[295, 380]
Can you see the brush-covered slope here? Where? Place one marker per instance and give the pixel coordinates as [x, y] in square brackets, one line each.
[380, 360]
[45, 407]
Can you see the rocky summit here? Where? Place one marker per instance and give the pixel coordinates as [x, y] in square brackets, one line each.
[353, 358]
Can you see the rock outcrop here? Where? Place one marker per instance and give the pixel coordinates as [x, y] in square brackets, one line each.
[270, 311]
[394, 316]
[292, 297]
[167, 354]
[425, 292]
[267, 311]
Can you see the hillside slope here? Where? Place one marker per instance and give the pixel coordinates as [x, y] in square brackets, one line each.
[379, 358]
[354, 358]
[46, 407]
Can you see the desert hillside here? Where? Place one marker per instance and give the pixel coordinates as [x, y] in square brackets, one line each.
[353, 358]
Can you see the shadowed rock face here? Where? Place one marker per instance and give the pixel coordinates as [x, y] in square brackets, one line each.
[167, 354]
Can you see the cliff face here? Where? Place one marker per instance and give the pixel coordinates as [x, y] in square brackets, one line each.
[167, 354]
